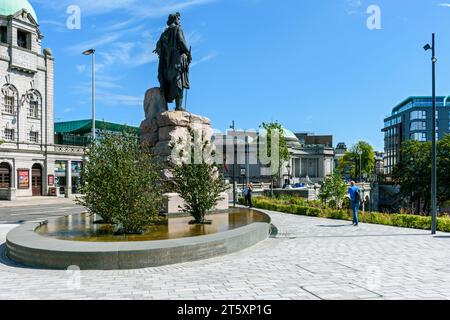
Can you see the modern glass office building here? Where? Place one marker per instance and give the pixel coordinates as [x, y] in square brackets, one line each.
[411, 120]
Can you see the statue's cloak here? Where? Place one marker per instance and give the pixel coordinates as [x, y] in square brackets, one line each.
[173, 70]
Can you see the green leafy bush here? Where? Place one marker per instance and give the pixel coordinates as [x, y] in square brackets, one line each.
[121, 183]
[196, 177]
[288, 205]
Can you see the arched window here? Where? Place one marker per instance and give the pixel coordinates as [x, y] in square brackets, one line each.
[5, 176]
[10, 99]
[34, 101]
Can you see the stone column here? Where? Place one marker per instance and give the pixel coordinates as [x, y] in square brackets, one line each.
[69, 179]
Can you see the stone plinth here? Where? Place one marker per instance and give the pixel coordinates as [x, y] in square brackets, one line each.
[161, 133]
[165, 134]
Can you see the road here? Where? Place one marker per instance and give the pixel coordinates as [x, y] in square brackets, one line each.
[23, 214]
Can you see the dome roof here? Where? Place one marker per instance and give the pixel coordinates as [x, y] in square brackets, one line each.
[289, 135]
[9, 7]
[291, 138]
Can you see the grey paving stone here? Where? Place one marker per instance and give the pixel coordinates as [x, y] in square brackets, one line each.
[316, 262]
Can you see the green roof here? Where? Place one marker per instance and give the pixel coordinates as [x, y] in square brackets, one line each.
[85, 126]
[10, 7]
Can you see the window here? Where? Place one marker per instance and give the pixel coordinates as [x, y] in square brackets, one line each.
[9, 104]
[418, 126]
[3, 34]
[34, 109]
[418, 115]
[5, 176]
[34, 137]
[23, 39]
[419, 136]
[9, 134]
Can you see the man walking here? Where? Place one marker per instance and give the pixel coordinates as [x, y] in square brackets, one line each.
[249, 195]
[355, 200]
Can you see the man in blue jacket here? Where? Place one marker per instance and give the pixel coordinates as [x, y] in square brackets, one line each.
[355, 199]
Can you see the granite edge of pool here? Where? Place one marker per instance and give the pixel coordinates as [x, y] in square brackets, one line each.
[28, 248]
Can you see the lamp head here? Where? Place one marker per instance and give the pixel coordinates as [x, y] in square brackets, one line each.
[427, 47]
[89, 52]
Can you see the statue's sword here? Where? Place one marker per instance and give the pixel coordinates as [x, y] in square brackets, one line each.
[185, 100]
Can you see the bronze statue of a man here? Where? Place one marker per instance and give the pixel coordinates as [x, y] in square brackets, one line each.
[174, 60]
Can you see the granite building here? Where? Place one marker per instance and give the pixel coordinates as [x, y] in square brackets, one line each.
[28, 154]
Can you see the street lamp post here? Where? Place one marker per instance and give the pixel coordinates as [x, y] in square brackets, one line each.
[433, 137]
[233, 127]
[360, 167]
[289, 173]
[91, 52]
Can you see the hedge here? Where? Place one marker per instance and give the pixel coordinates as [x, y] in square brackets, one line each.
[302, 208]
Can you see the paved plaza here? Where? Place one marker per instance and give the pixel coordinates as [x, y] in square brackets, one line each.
[309, 258]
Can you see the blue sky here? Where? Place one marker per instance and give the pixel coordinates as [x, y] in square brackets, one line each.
[312, 65]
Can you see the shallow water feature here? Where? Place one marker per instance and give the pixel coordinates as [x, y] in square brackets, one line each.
[82, 228]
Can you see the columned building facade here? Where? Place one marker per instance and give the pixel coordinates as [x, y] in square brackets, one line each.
[28, 155]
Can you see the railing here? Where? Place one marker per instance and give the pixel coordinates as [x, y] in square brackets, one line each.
[69, 149]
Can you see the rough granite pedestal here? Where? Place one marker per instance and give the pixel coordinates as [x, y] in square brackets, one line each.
[162, 129]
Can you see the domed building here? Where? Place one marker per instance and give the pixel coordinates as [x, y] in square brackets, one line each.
[27, 154]
[311, 158]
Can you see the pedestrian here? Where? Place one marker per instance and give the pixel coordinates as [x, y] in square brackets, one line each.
[249, 195]
[245, 195]
[355, 201]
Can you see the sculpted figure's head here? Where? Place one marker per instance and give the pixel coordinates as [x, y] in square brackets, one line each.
[174, 18]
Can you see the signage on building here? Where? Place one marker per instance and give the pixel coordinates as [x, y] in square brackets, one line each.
[76, 167]
[61, 166]
[24, 179]
[51, 180]
[243, 172]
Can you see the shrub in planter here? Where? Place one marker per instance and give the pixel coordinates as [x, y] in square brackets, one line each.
[121, 183]
[196, 177]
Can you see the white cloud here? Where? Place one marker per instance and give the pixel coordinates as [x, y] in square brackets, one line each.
[135, 8]
[81, 68]
[353, 6]
[204, 59]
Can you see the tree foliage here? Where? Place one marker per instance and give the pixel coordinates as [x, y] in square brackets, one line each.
[333, 189]
[196, 177]
[360, 159]
[121, 182]
[413, 173]
[282, 148]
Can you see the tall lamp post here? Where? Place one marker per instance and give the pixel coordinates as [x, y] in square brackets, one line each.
[91, 52]
[233, 127]
[289, 167]
[433, 137]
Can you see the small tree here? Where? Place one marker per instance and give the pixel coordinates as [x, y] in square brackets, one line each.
[121, 183]
[196, 176]
[283, 150]
[359, 160]
[333, 189]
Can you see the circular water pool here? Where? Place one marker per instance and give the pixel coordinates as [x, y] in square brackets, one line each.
[82, 227]
[77, 241]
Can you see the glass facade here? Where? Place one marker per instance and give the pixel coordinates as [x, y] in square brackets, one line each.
[418, 115]
[411, 120]
[419, 136]
[418, 126]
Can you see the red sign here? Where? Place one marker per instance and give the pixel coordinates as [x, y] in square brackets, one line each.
[51, 180]
[24, 179]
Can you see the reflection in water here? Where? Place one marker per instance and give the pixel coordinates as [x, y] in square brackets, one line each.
[81, 227]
